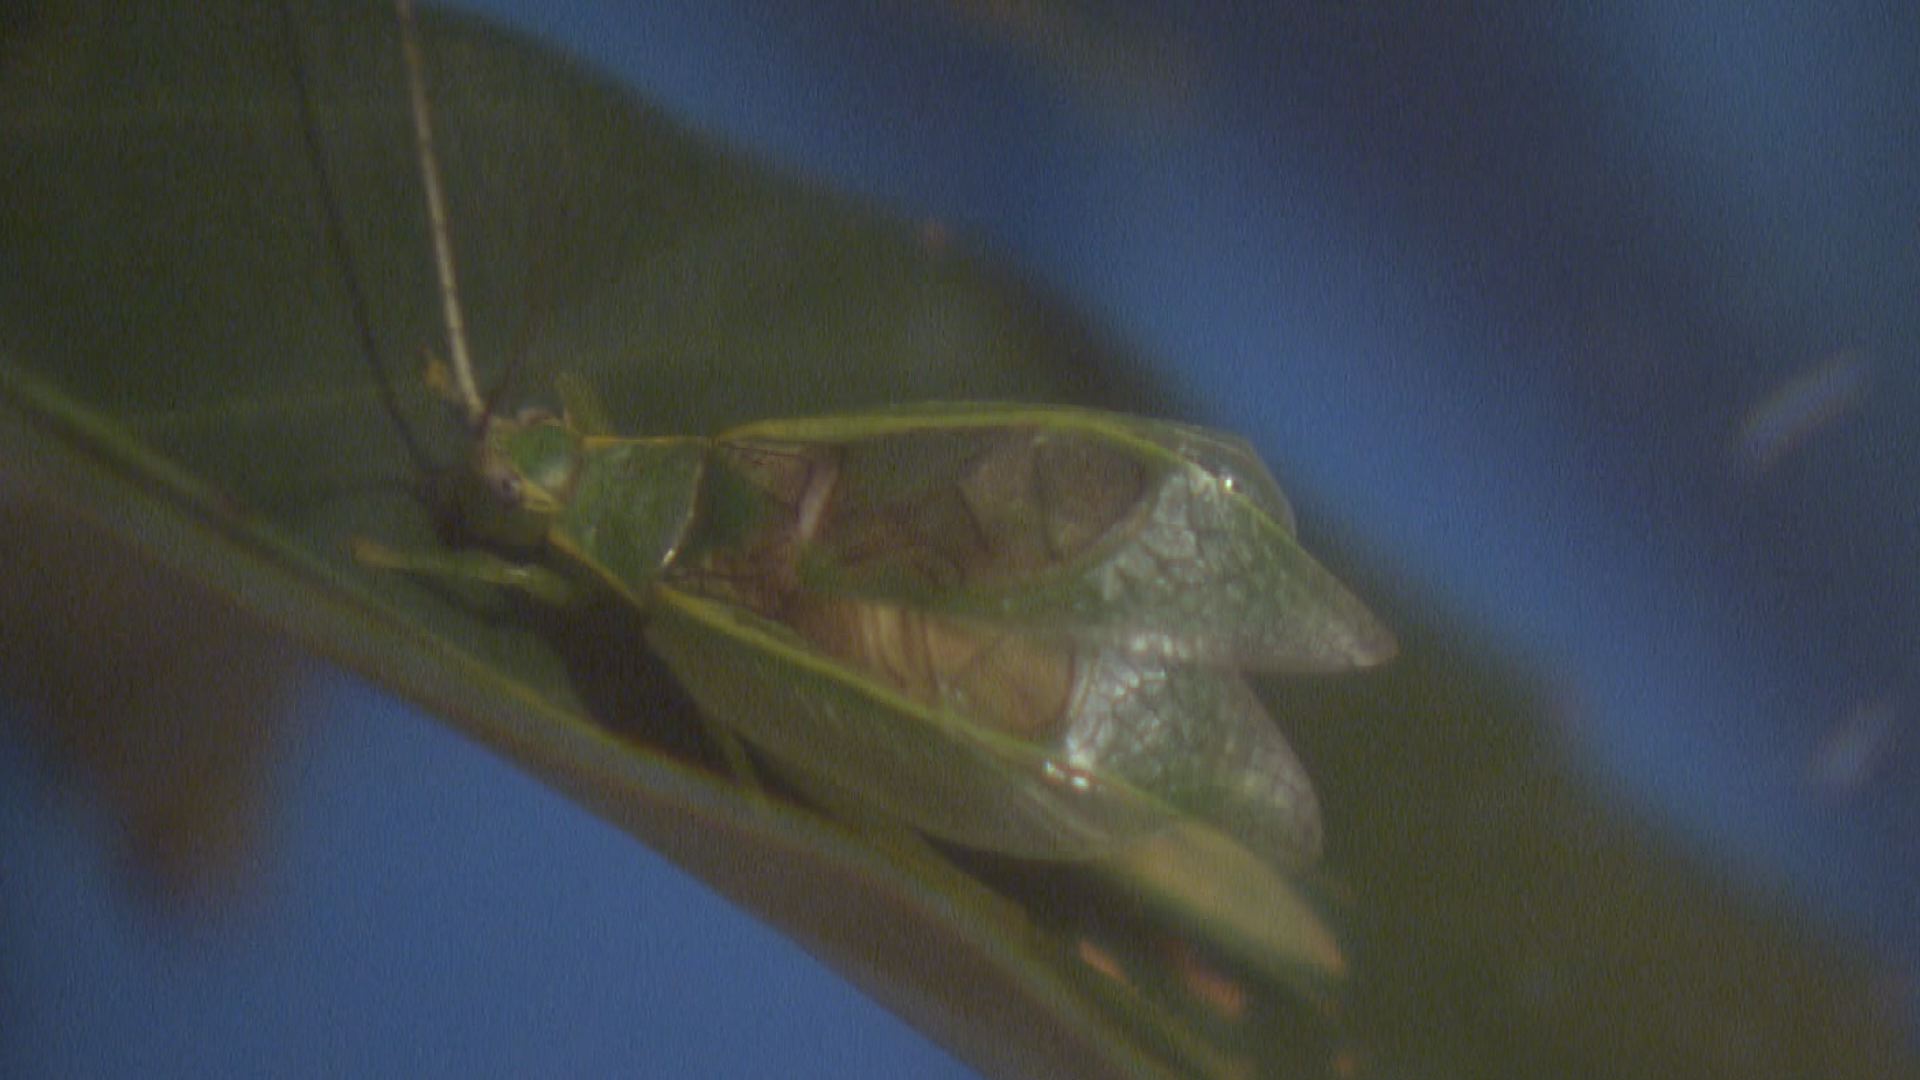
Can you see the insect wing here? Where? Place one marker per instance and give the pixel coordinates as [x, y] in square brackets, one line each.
[1158, 538]
[829, 724]
[1044, 734]
[1197, 738]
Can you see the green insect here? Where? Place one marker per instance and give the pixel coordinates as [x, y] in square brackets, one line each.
[1018, 628]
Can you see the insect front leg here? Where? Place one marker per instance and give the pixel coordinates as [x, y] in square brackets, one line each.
[483, 567]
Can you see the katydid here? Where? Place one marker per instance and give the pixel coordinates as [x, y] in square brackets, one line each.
[1019, 628]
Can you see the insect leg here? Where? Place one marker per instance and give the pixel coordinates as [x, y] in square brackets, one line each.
[481, 567]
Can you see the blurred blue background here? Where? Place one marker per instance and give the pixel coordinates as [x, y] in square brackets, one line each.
[1596, 331]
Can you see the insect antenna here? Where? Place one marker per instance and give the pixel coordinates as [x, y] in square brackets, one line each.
[465, 390]
[537, 304]
[335, 231]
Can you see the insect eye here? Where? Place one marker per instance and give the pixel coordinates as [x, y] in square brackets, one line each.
[505, 485]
